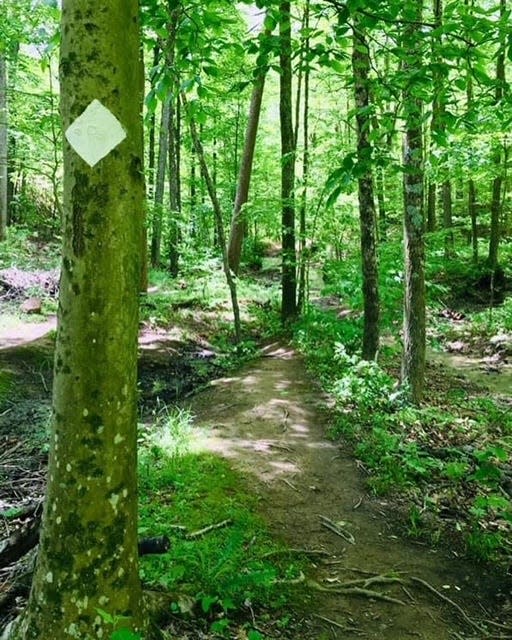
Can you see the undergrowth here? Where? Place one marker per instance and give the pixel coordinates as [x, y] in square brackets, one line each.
[447, 459]
[227, 576]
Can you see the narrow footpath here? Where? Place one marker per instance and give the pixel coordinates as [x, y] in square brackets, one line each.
[270, 420]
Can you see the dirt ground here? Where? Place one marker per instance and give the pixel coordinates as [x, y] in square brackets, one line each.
[270, 420]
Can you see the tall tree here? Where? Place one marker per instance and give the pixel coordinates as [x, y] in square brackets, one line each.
[3, 147]
[367, 213]
[288, 276]
[413, 359]
[238, 225]
[497, 184]
[87, 560]
[219, 221]
[305, 52]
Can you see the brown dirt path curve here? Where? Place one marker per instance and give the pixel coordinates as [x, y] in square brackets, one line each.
[270, 421]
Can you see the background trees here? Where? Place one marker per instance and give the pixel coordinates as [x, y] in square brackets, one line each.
[218, 54]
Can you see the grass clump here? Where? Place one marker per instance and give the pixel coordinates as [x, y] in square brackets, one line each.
[227, 572]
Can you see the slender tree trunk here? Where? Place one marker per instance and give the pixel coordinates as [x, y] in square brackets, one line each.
[447, 219]
[173, 144]
[367, 214]
[12, 74]
[152, 141]
[3, 148]
[173, 197]
[497, 185]
[236, 235]
[87, 559]
[219, 223]
[193, 193]
[431, 206]
[413, 359]
[303, 265]
[288, 278]
[163, 146]
[473, 218]
[380, 185]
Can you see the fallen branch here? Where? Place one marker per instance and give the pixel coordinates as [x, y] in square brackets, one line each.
[336, 528]
[205, 530]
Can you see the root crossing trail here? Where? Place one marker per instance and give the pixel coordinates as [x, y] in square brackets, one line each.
[270, 421]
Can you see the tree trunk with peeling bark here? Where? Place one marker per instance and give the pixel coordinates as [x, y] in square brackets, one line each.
[87, 559]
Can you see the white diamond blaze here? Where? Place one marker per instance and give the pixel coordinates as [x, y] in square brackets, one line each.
[95, 133]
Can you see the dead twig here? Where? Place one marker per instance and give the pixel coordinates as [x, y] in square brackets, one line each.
[290, 484]
[338, 625]
[211, 527]
[337, 529]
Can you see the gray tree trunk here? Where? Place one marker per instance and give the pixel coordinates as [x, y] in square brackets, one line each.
[413, 358]
[87, 559]
[367, 213]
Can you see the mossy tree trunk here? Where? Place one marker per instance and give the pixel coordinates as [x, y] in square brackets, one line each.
[87, 558]
[413, 359]
[367, 213]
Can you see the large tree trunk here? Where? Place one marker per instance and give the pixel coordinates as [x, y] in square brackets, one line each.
[367, 213]
[3, 148]
[288, 277]
[413, 360]
[87, 558]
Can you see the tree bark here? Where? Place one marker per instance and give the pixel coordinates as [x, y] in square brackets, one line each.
[413, 358]
[288, 276]
[3, 148]
[497, 185]
[219, 223]
[163, 146]
[304, 257]
[88, 558]
[367, 213]
[236, 236]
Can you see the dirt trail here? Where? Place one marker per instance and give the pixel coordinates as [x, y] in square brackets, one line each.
[270, 421]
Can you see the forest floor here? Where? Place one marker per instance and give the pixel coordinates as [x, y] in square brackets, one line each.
[270, 420]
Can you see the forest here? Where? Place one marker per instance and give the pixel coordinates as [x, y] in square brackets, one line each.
[255, 319]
